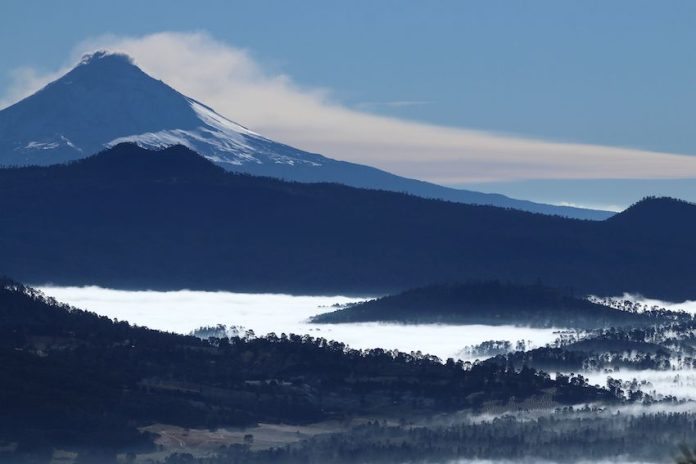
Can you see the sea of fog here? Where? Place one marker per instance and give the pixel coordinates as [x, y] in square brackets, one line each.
[183, 311]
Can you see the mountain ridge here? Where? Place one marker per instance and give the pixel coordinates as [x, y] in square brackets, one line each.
[106, 99]
[87, 223]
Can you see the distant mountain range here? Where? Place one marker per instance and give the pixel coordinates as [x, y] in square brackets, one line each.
[107, 99]
[135, 218]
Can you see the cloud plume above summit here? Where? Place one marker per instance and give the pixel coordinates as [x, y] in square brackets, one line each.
[234, 84]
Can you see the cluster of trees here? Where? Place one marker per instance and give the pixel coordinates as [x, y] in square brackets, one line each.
[220, 331]
[489, 348]
[678, 336]
[631, 306]
[669, 345]
[79, 381]
[568, 359]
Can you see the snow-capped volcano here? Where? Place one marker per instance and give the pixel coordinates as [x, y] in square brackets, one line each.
[106, 99]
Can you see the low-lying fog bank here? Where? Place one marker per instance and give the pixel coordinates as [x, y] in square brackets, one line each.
[184, 311]
[539, 427]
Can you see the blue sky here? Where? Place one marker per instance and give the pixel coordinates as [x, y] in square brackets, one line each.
[618, 73]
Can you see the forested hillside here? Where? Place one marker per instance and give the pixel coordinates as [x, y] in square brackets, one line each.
[132, 218]
[77, 381]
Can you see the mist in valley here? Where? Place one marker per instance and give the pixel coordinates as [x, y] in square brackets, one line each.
[185, 311]
[673, 410]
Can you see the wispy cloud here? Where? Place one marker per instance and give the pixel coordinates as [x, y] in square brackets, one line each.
[231, 81]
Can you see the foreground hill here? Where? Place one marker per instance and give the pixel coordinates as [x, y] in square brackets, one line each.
[488, 303]
[76, 381]
[106, 99]
[133, 218]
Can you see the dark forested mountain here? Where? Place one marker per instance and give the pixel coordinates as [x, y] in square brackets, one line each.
[133, 218]
[106, 99]
[489, 303]
[77, 381]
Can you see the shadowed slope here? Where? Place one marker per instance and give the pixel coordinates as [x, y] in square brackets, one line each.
[130, 218]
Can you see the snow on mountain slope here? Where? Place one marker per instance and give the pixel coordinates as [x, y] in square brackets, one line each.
[217, 139]
[106, 99]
